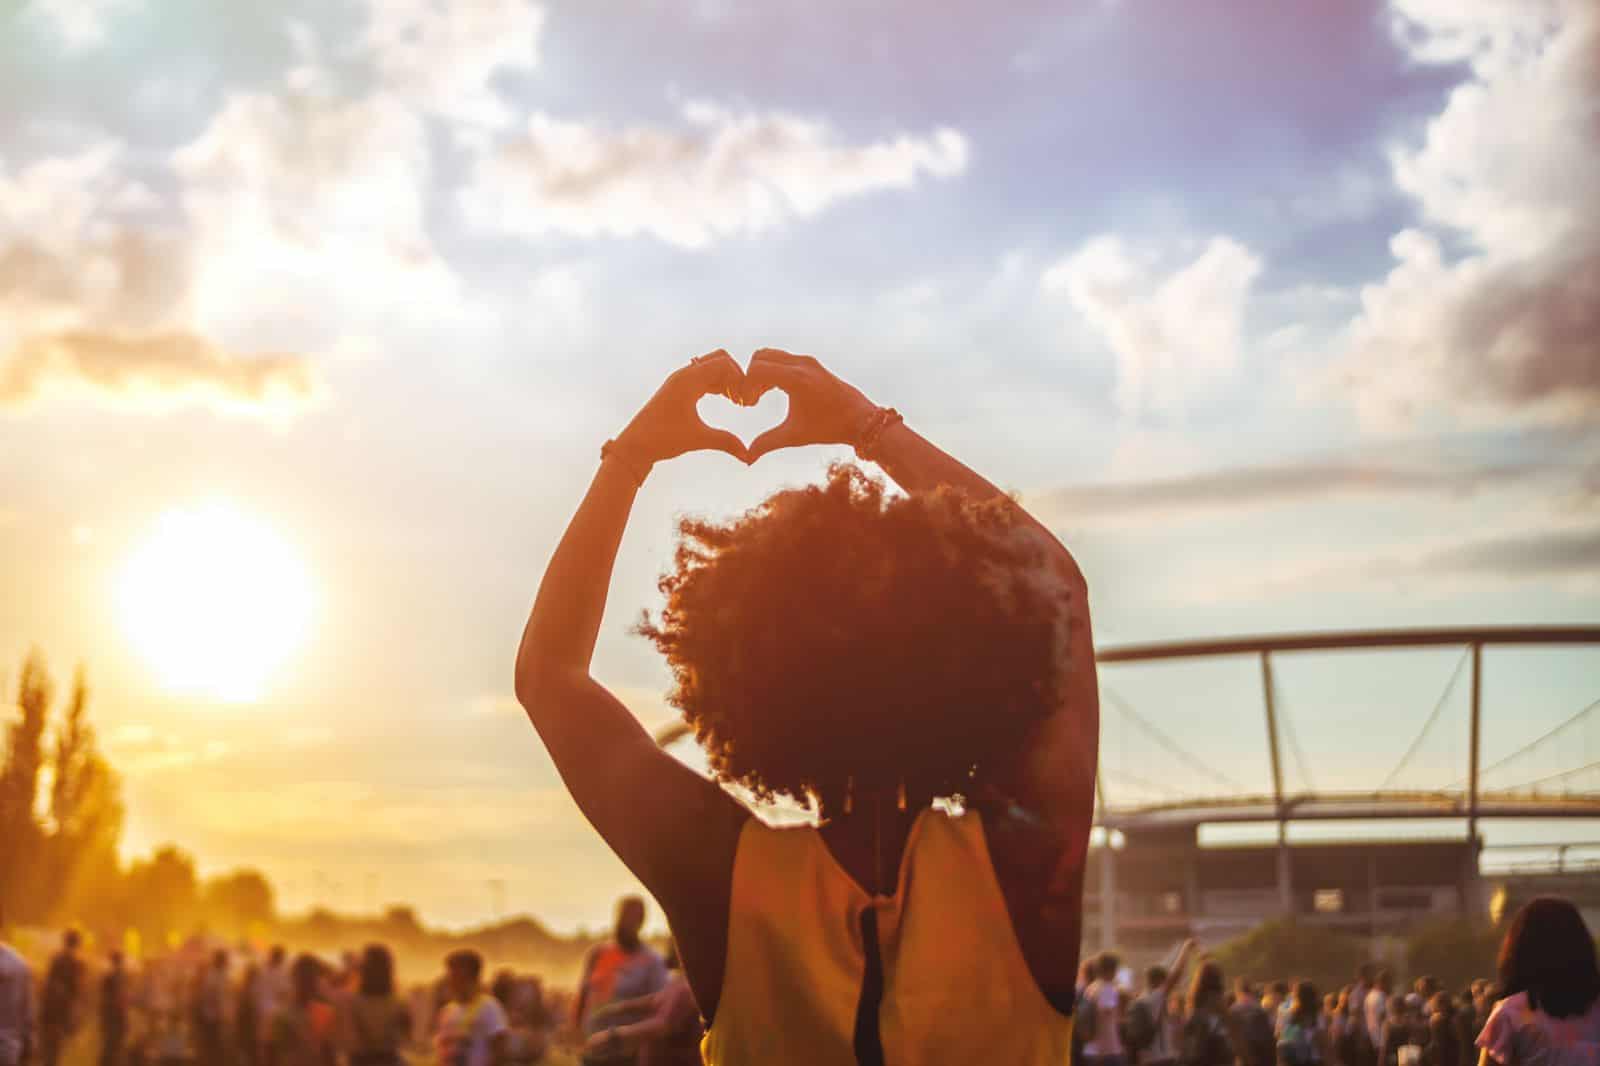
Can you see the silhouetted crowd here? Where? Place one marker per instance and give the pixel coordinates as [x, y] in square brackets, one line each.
[202, 1005]
[1280, 1023]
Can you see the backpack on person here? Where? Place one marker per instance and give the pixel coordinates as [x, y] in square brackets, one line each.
[1204, 1041]
[1140, 1028]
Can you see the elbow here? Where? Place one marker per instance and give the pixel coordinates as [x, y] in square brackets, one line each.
[537, 679]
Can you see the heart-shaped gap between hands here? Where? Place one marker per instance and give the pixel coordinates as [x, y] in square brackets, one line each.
[746, 423]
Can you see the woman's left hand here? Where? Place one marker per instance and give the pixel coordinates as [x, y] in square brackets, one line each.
[668, 425]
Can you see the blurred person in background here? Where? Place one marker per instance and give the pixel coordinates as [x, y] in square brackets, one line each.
[525, 1040]
[1101, 1014]
[1376, 1007]
[621, 970]
[302, 1032]
[273, 989]
[16, 1003]
[1444, 1046]
[1403, 1035]
[1205, 1040]
[1152, 1038]
[211, 1009]
[668, 1032]
[1254, 1035]
[1302, 1040]
[375, 1024]
[60, 1000]
[247, 1033]
[1549, 1011]
[863, 653]
[471, 1029]
[113, 1011]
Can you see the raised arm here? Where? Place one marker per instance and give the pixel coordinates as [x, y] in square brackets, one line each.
[675, 830]
[1053, 785]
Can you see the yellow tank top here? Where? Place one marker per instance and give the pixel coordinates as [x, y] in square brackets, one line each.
[955, 986]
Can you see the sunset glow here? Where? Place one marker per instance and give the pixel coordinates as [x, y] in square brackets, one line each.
[215, 601]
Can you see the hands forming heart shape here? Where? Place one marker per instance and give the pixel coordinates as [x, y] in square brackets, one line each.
[822, 408]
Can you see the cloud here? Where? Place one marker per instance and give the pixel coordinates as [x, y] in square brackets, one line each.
[1504, 172]
[1174, 327]
[79, 24]
[156, 371]
[93, 300]
[444, 56]
[717, 174]
[1232, 490]
[310, 212]
[1543, 553]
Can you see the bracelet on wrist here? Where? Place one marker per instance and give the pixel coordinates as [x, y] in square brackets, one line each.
[873, 429]
[618, 454]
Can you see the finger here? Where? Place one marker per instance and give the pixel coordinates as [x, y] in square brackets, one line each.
[720, 440]
[785, 435]
[770, 373]
[716, 372]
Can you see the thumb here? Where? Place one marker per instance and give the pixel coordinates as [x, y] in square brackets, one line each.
[784, 435]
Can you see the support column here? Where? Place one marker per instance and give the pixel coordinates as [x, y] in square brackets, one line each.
[1285, 878]
[1471, 903]
[1108, 895]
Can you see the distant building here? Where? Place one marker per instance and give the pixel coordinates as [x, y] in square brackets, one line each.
[1166, 887]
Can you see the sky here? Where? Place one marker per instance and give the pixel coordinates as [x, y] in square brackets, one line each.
[1282, 316]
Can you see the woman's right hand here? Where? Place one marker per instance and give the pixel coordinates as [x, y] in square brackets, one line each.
[668, 425]
[822, 408]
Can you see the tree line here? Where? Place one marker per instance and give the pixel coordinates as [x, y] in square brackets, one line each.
[61, 818]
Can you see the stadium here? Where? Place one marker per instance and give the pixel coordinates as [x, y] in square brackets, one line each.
[1476, 814]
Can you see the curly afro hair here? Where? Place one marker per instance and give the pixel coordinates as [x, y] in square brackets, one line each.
[837, 636]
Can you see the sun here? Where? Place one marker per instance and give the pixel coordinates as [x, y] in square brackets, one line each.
[215, 600]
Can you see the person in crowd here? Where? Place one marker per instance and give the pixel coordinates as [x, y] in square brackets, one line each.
[471, 1030]
[526, 1039]
[861, 653]
[1467, 1029]
[623, 968]
[1358, 1041]
[16, 1003]
[1420, 999]
[211, 1008]
[375, 1024]
[1376, 1006]
[114, 997]
[1483, 1001]
[667, 1034]
[1302, 1040]
[1404, 1034]
[1205, 1040]
[1151, 1029]
[1346, 1034]
[1103, 1010]
[1549, 1011]
[1086, 972]
[1443, 1047]
[247, 1032]
[1277, 1002]
[1253, 1032]
[60, 1000]
[302, 1031]
[273, 989]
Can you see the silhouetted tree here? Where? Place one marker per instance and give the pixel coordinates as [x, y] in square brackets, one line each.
[238, 900]
[85, 812]
[22, 888]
